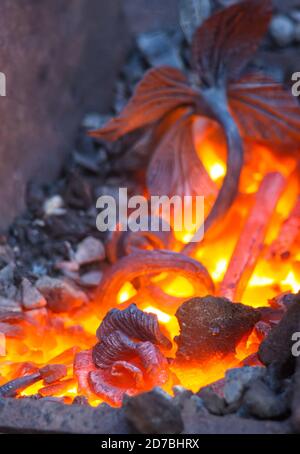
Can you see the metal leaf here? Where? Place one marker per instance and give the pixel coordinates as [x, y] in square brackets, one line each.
[265, 111]
[175, 167]
[160, 91]
[224, 44]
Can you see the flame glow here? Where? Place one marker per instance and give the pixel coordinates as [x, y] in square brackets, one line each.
[217, 171]
[55, 338]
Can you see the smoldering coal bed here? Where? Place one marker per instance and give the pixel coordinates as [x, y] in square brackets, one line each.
[144, 331]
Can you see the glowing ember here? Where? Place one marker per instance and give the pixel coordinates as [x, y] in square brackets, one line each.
[50, 338]
[217, 171]
[249, 253]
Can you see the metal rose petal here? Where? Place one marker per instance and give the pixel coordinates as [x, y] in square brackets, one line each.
[154, 362]
[122, 368]
[102, 388]
[125, 360]
[135, 324]
[83, 365]
[143, 369]
[114, 346]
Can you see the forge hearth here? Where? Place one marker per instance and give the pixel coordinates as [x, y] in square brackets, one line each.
[151, 332]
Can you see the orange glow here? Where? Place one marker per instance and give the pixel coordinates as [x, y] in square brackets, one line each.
[55, 339]
[162, 316]
[291, 282]
[217, 171]
[126, 292]
[179, 287]
[219, 270]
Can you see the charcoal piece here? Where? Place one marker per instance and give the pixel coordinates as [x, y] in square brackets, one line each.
[282, 302]
[153, 413]
[53, 372]
[52, 399]
[214, 403]
[212, 327]
[262, 402]
[80, 400]
[60, 387]
[31, 297]
[135, 324]
[6, 255]
[78, 193]
[11, 317]
[251, 360]
[225, 396]
[90, 250]
[238, 380]
[9, 330]
[262, 330]
[216, 387]
[70, 227]
[90, 279]
[296, 398]
[158, 49]
[88, 163]
[181, 394]
[6, 277]
[54, 206]
[7, 305]
[61, 296]
[35, 198]
[198, 422]
[13, 387]
[7, 287]
[271, 315]
[276, 349]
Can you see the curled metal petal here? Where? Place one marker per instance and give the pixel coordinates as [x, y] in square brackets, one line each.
[135, 324]
[113, 346]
